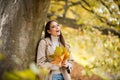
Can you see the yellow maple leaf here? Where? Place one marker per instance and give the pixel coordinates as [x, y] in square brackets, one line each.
[66, 54]
[60, 55]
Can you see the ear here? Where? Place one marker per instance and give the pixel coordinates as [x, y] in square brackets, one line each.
[48, 31]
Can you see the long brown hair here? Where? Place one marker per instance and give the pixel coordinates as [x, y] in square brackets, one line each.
[47, 27]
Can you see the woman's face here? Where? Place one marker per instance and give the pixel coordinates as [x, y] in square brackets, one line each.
[54, 29]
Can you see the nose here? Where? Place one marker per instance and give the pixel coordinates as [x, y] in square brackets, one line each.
[58, 27]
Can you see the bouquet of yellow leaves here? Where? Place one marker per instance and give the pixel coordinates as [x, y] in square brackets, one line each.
[60, 55]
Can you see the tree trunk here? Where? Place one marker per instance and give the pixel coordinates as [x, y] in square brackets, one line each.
[21, 24]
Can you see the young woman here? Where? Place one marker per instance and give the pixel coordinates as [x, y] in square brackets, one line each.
[47, 46]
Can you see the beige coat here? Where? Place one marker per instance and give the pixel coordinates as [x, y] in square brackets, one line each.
[44, 49]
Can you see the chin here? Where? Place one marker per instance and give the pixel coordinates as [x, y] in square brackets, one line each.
[58, 35]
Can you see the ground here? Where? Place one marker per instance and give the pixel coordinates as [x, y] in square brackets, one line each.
[77, 74]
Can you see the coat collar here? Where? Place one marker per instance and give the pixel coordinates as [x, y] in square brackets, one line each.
[49, 41]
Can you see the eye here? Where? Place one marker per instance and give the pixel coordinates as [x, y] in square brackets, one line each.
[55, 26]
[52, 26]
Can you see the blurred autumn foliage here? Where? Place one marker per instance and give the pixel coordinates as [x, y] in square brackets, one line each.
[80, 13]
[98, 54]
[32, 73]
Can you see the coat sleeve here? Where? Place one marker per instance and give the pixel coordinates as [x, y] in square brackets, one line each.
[41, 56]
[70, 61]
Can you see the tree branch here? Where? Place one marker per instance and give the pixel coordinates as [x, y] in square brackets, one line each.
[107, 30]
[65, 8]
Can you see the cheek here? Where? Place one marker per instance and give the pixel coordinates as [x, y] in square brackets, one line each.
[51, 31]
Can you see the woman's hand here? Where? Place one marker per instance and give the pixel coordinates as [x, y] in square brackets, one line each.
[65, 64]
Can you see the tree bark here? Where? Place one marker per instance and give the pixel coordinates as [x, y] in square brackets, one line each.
[21, 24]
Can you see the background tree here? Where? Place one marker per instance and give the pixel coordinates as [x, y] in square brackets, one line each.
[21, 24]
[102, 14]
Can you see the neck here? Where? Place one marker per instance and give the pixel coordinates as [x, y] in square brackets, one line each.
[54, 38]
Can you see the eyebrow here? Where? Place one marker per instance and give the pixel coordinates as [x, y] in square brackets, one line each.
[54, 25]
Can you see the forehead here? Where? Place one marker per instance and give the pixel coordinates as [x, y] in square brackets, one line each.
[53, 23]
